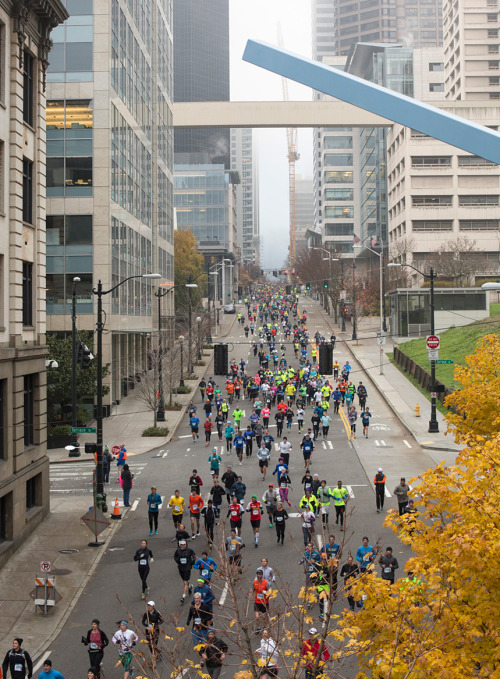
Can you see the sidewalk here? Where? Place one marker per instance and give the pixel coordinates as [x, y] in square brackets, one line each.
[129, 419]
[62, 530]
[399, 392]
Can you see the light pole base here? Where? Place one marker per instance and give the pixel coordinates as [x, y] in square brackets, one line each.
[181, 383]
[342, 327]
[433, 427]
[160, 415]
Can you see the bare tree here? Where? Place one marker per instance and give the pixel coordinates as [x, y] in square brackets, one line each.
[458, 260]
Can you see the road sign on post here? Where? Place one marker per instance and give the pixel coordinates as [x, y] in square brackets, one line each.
[45, 566]
[433, 354]
[432, 342]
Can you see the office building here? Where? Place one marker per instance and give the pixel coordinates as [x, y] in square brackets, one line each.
[110, 174]
[304, 210]
[324, 32]
[24, 468]
[244, 161]
[205, 202]
[201, 73]
[471, 50]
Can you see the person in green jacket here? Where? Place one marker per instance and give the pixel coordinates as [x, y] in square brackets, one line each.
[340, 497]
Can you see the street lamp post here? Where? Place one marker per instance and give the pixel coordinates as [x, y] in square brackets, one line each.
[342, 327]
[433, 423]
[74, 413]
[198, 321]
[100, 498]
[381, 305]
[181, 340]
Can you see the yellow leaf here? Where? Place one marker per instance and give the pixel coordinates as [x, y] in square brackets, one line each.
[232, 623]
[180, 629]
[167, 637]
[308, 620]
[244, 662]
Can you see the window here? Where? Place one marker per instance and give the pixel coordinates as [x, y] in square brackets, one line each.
[492, 18]
[27, 293]
[431, 161]
[28, 87]
[492, 49]
[340, 229]
[339, 194]
[29, 410]
[477, 201]
[479, 225]
[333, 177]
[6, 517]
[432, 225]
[27, 191]
[492, 33]
[3, 405]
[494, 80]
[474, 161]
[431, 201]
[2, 165]
[34, 492]
[338, 159]
[340, 142]
[436, 87]
[493, 65]
[340, 212]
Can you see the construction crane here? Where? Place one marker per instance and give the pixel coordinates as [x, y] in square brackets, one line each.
[293, 157]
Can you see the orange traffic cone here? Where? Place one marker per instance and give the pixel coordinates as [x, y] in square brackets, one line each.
[116, 511]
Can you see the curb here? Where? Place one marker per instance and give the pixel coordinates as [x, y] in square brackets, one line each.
[115, 525]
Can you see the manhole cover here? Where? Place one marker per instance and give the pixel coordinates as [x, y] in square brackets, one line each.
[68, 551]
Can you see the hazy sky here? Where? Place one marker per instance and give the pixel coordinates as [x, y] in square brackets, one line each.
[258, 19]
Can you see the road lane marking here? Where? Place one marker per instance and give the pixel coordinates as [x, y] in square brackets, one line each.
[324, 444]
[350, 491]
[135, 505]
[387, 494]
[41, 661]
[406, 443]
[223, 596]
[165, 454]
[330, 445]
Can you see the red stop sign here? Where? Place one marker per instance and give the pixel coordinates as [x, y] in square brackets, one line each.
[116, 450]
[433, 342]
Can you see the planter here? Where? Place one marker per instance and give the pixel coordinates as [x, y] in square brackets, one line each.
[59, 441]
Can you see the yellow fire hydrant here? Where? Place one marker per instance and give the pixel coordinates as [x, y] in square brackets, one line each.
[417, 410]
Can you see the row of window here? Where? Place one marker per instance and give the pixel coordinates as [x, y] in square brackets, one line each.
[447, 201]
[33, 493]
[445, 161]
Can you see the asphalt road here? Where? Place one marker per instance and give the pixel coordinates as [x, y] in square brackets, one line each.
[114, 590]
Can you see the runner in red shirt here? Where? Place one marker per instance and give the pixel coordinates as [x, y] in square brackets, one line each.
[256, 511]
[235, 512]
[261, 601]
[208, 426]
[310, 650]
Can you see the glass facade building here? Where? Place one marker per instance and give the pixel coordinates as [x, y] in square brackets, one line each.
[201, 73]
[110, 171]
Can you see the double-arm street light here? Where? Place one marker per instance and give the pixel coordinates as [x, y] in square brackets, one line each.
[99, 417]
[431, 276]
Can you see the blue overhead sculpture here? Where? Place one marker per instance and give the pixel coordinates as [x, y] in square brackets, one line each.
[459, 132]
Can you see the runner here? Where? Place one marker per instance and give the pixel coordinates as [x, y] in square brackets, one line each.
[270, 499]
[235, 512]
[263, 455]
[154, 502]
[229, 434]
[184, 557]
[280, 515]
[194, 423]
[195, 507]
[125, 639]
[234, 547]
[177, 503]
[261, 600]
[144, 557]
[340, 497]
[151, 621]
[96, 640]
[256, 511]
[365, 420]
[239, 442]
[214, 460]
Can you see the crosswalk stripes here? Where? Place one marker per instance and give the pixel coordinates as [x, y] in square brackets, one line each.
[276, 447]
[406, 443]
[387, 494]
[380, 444]
[351, 492]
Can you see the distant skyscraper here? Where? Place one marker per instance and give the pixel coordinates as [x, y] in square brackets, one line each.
[323, 28]
[304, 209]
[244, 161]
[201, 73]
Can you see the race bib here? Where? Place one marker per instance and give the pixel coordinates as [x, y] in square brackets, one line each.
[324, 509]
[152, 505]
[183, 560]
[260, 596]
[279, 518]
[197, 621]
[234, 513]
[143, 562]
[387, 569]
[93, 646]
[195, 507]
[205, 572]
[18, 667]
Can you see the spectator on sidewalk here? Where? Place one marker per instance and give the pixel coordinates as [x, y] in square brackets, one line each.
[126, 484]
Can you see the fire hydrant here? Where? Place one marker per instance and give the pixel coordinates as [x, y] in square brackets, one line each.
[417, 410]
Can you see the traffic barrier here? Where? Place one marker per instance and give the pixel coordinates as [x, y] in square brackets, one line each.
[116, 511]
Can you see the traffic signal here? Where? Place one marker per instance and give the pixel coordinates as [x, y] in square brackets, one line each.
[325, 284]
[288, 289]
[220, 359]
[308, 286]
[325, 359]
[240, 291]
[85, 360]
[293, 272]
[262, 272]
[275, 274]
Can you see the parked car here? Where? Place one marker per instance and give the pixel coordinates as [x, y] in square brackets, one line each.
[230, 308]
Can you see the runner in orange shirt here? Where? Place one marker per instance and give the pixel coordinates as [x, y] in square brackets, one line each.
[261, 600]
[195, 507]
